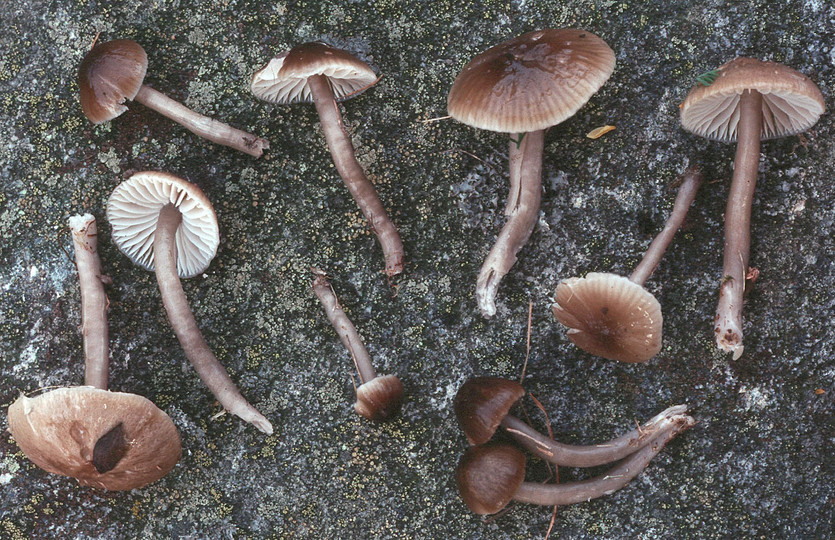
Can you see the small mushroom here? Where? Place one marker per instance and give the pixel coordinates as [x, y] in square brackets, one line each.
[323, 74]
[109, 440]
[615, 317]
[524, 86]
[168, 226]
[747, 101]
[491, 475]
[378, 398]
[113, 72]
[482, 404]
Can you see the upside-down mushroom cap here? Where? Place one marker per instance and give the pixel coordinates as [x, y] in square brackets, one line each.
[109, 440]
[380, 398]
[284, 79]
[489, 475]
[791, 102]
[482, 403]
[109, 74]
[610, 316]
[133, 211]
[531, 82]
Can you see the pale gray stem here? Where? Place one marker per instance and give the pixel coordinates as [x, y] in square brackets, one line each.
[515, 154]
[690, 182]
[728, 322]
[202, 126]
[345, 329]
[342, 152]
[519, 225]
[93, 301]
[608, 483]
[591, 455]
[205, 363]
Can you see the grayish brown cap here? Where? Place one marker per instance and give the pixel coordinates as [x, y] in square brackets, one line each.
[133, 211]
[380, 398]
[791, 102]
[109, 74]
[531, 82]
[284, 79]
[489, 475]
[610, 316]
[109, 440]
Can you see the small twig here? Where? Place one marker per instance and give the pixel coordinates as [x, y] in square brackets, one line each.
[528, 343]
[436, 119]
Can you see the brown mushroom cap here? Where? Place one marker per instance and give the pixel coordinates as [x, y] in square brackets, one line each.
[610, 316]
[489, 475]
[380, 398]
[791, 102]
[284, 79]
[482, 403]
[531, 82]
[109, 74]
[133, 210]
[109, 440]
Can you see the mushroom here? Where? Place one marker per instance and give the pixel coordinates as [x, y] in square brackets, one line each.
[482, 404]
[522, 87]
[323, 74]
[491, 475]
[167, 225]
[748, 101]
[109, 440]
[113, 72]
[378, 398]
[615, 317]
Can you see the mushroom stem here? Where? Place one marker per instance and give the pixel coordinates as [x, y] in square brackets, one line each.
[515, 162]
[592, 455]
[519, 225]
[203, 126]
[93, 300]
[611, 481]
[691, 180]
[342, 152]
[205, 363]
[728, 322]
[344, 327]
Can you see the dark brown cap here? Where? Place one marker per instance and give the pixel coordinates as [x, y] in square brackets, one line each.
[284, 79]
[110, 73]
[610, 316]
[482, 403]
[380, 398]
[109, 440]
[791, 102]
[489, 475]
[531, 82]
[133, 210]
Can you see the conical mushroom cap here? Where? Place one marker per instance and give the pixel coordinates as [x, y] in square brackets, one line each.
[109, 440]
[380, 398]
[109, 74]
[610, 316]
[133, 212]
[482, 403]
[489, 475]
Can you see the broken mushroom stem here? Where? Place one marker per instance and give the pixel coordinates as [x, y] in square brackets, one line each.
[522, 211]
[202, 126]
[344, 158]
[691, 180]
[728, 322]
[205, 363]
[93, 300]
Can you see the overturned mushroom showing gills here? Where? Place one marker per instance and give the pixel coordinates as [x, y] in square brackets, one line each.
[483, 404]
[489, 476]
[522, 87]
[378, 398]
[109, 440]
[167, 225]
[615, 317]
[748, 101]
[113, 72]
[324, 75]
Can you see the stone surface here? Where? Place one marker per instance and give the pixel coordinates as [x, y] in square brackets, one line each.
[758, 463]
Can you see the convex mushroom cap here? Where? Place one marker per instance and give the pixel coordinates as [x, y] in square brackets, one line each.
[133, 210]
[111, 73]
[109, 440]
[482, 403]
